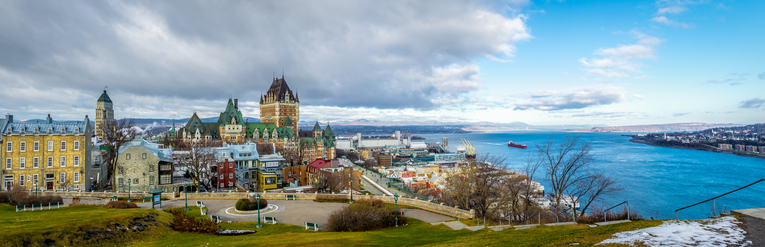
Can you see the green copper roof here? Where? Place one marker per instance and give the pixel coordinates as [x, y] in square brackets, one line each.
[316, 126]
[288, 122]
[104, 97]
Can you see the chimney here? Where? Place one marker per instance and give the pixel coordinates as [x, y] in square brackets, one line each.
[236, 103]
[9, 117]
[48, 119]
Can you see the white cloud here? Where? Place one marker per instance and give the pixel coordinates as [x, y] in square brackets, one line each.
[675, 9]
[670, 22]
[576, 98]
[620, 60]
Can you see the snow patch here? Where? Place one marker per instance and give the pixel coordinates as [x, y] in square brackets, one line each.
[723, 231]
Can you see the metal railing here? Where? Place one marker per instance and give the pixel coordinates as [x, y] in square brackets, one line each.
[714, 198]
[539, 218]
[605, 212]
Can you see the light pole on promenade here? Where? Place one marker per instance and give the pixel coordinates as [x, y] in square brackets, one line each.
[395, 199]
[257, 196]
[186, 195]
[129, 188]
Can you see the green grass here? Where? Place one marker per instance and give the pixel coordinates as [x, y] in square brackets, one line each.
[417, 233]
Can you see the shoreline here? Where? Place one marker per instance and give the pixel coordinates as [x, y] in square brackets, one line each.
[716, 150]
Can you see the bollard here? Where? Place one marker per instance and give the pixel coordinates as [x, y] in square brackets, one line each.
[25, 208]
[49, 206]
[17, 208]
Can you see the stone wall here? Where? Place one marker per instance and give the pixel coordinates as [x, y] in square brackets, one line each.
[417, 203]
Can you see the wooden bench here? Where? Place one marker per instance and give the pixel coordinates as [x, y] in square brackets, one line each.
[215, 219]
[288, 197]
[309, 225]
[266, 219]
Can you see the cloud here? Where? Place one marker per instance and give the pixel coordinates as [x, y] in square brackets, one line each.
[606, 114]
[620, 60]
[638, 96]
[732, 79]
[670, 22]
[680, 114]
[385, 55]
[577, 98]
[752, 103]
[675, 9]
[761, 76]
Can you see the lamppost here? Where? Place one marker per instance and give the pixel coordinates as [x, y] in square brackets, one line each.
[351, 187]
[186, 195]
[129, 188]
[36, 187]
[395, 199]
[257, 196]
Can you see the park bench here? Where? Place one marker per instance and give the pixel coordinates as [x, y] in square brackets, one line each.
[203, 211]
[200, 204]
[215, 219]
[271, 219]
[309, 225]
[114, 198]
[288, 197]
[146, 198]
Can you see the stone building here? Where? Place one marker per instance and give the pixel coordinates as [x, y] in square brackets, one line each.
[104, 114]
[142, 166]
[280, 106]
[56, 155]
[317, 143]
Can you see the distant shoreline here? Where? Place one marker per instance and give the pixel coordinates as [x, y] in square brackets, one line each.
[708, 149]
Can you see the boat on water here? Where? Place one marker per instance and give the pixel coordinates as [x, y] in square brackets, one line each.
[511, 144]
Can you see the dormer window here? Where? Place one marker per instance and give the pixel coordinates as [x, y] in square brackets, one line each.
[21, 130]
[37, 129]
[50, 130]
[9, 130]
[76, 131]
[63, 130]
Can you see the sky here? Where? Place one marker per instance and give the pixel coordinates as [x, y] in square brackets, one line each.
[537, 62]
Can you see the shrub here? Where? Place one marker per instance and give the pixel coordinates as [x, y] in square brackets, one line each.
[16, 195]
[332, 198]
[120, 205]
[363, 217]
[4, 197]
[251, 204]
[35, 200]
[183, 223]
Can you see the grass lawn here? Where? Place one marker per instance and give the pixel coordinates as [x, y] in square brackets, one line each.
[70, 220]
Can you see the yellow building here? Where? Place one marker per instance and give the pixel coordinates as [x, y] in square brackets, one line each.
[56, 155]
[104, 114]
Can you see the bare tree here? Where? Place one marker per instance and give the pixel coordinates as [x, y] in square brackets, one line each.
[591, 189]
[478, 185]
[370, 163]
[327, 181]
[116, 134]
[200, 162]
[566, 163]
[265, 148]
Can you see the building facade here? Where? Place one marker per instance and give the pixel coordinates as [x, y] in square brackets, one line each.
[317, 144]
[142, 166]
[243, 159]
[54, 156]
[280, 106]
[268, 172]
[104, 114]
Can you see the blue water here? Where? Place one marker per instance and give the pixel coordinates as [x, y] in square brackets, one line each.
[657, 180]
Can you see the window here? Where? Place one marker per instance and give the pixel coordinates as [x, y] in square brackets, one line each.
[221, 185]
[34, 178]
[151, 168]
[8, 163]
[9, 147]
[76, 145]
[50, 145]
[35, 162]
[230, 176]
[63, 145]
[230, 165]
[121, 170]
[62, 162]
[135, 181]
[76, 177]
[143, 155]
[50, 161]
[22, 163]
[76, 160]
[21, 180]
[121, 182]
[37, 146]
[230, 184]
[151, 180]
[22, 146]
[127, 156]
[166, 179]
[62, 176]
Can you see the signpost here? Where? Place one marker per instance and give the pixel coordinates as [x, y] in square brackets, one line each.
[156, 195]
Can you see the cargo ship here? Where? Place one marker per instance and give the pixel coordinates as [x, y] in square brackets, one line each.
[511, 144]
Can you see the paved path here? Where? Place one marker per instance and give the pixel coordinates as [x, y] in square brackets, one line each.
[292, 212]
[754, 224]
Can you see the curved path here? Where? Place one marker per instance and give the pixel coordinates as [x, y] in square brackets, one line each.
[294, 212]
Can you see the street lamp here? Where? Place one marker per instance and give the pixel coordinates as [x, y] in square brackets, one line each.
[351, 188]
[395, 199]
[129, 189]
[186, 195]
[36, 187]
[257, 196]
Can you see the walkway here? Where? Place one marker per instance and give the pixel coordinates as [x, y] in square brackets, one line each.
[754, 224]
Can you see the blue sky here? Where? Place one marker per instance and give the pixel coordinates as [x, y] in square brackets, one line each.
[538, 62]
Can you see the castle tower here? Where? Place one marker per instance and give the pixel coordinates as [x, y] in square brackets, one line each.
[280, 106]
[104, 114]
